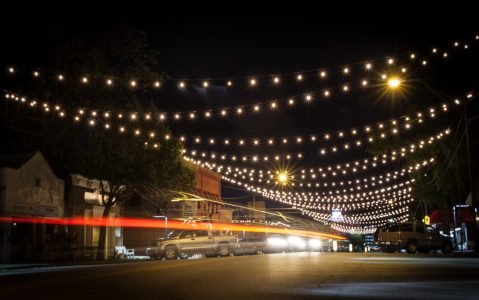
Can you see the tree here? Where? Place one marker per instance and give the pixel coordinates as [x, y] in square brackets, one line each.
[443, 183]
[122, 162]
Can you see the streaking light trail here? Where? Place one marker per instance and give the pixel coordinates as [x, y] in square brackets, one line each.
[172, 224]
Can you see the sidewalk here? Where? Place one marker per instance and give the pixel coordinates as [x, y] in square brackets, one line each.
[8, 267]
[468, 253]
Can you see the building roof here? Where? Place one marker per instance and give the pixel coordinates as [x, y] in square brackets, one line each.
[15, 160]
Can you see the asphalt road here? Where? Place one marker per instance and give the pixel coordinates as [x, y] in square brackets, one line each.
[272, 276]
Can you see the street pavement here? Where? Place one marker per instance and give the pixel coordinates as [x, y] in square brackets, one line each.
[272, 276]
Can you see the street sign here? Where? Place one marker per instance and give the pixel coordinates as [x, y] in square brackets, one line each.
[426, 220]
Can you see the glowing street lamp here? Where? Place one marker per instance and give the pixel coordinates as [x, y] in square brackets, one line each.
[394, 83]
[283, 178]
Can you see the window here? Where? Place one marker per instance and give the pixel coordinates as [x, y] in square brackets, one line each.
[38, 182]
[186, 234]
[201, 233]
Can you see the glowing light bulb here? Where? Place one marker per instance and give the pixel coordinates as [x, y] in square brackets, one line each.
[109, 82]
[205, 84]
[252, 82]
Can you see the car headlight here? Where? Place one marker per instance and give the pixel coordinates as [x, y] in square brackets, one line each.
[296, 242]
[315, 243]
[277, 242]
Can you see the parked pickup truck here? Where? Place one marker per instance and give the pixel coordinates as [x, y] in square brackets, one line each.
[186, 242]
[412, 237]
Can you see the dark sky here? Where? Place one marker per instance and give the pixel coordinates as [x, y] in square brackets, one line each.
[242, 39]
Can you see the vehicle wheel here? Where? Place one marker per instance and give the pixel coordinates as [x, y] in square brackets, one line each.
[171, 253]
[223, 250]
[411, 247]
[424, 250]
[446, 248]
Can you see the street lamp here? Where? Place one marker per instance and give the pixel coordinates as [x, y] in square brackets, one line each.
[394, 82]
[282, 177]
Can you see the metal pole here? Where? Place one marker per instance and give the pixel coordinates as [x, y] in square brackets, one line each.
[471, 187]
[454, 220]
[166, 226]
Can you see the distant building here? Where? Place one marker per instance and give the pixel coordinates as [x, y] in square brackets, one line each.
[208, 187]
[29, 188]
[83, 199]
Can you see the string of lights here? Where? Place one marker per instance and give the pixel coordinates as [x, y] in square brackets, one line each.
[324, 196]
[393, 155]
[273, 105]
[370, 133]
[363, 218]
[253, 81]
[92, 121]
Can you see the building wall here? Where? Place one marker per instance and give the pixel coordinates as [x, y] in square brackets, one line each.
[208, 181]
[32, 190]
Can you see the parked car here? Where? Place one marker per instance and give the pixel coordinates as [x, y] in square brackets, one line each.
[412, 237]
[251, 245]
[187, 242]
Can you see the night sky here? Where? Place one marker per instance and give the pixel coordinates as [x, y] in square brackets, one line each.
[241, 41]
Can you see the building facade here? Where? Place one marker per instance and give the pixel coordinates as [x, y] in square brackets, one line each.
[29, 188]
[83, 199]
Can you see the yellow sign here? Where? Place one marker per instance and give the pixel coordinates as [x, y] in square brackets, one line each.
[426, 220]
